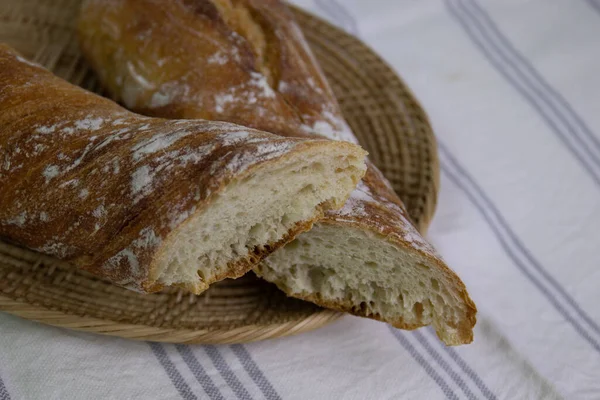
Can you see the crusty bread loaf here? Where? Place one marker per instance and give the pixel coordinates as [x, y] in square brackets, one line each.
[149, 202]
[246, 61]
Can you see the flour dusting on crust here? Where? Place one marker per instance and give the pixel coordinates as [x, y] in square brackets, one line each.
[360, 205]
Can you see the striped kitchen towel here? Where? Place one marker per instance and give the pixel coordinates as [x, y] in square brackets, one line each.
[512, 88]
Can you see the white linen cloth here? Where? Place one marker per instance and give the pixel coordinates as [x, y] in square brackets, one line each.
[512, 88]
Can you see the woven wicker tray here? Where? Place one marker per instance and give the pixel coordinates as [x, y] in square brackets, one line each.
[385, 116]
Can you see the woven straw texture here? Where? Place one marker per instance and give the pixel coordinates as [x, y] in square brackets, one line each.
[385, 116]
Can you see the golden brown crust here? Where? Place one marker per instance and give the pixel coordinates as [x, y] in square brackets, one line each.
[222, 76]
[464, 333]
[84, 180]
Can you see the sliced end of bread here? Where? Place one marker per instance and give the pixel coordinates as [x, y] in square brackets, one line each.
[367, 274]
[258, 213]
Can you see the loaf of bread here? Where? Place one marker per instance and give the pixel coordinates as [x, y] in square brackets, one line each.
[148, 202]
[246, 61]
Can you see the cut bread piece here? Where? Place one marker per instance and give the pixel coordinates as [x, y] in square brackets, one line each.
[364, 273]
[148, 202]
[255, 215]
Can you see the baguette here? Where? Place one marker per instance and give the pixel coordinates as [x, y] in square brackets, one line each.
[246, 61]
[148, 202]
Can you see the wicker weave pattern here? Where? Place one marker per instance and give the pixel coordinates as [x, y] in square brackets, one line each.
[385, 116]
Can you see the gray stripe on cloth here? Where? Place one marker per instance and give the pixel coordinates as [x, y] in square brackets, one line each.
[445, 366]
[338, 14]
[172, 372]
[516, 250]
[330, 12]
[595, 4]
[4, 395]
[351, 21]
[517, 362]
[551, 107]
[255, 372]
[464, 366]
[228, 375]
[437, 378]
[542, 87]
[199, 372]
